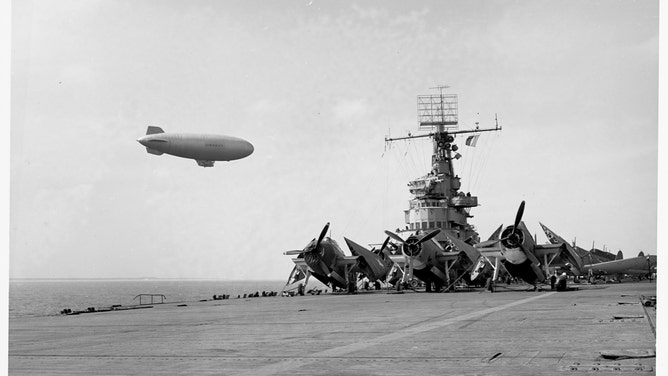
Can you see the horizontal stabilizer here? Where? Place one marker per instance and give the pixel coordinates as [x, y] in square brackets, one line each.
[153, 130]
[295, 252]
[153, 151]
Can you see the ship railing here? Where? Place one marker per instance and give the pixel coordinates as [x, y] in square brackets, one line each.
[152, 297]
[464, 201]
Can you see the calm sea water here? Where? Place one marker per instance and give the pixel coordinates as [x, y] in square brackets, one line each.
[49, 297]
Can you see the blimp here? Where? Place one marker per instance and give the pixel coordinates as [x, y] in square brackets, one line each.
[206, 149]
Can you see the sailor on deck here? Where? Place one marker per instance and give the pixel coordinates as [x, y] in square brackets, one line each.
[561, 284]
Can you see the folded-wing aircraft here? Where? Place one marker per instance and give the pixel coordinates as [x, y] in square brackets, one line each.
[326, 261]
[577, 257]
[641, 266]
[519, 253]
[426, 259]
[375, 265]
[472, 264]
[599, 262]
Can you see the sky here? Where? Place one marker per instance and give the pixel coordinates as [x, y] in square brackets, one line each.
[316, 86]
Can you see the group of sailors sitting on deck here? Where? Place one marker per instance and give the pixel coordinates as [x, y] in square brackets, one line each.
[300, 291]
[256, 294]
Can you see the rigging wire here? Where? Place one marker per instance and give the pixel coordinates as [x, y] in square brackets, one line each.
[476, 163]
[488, 152]
[473, 159]
[410, 143]
[425, 162]
[401, 161]
[424, 158]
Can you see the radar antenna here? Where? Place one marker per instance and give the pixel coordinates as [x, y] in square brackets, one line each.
[439, 115]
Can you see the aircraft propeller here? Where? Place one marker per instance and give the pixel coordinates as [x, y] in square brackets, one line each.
[322, 236]
[394, 236]
[380, 252]
[317, 243]
[387, 240]
[412, 245]
[516, 237]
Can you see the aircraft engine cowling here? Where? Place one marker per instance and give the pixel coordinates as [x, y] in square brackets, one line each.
[512, 237]
[412, 248]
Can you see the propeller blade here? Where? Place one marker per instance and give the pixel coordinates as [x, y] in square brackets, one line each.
[325, 268]
[520, 213]
[322, 235]
[394, 236]
[387, 240]
[429, 236]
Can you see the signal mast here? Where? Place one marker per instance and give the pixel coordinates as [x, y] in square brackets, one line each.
[437, 202]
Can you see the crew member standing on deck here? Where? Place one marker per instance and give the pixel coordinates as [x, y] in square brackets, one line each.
[561, 285]
[553, 280]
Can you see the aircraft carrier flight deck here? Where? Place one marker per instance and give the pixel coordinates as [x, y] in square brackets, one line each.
[598, 329]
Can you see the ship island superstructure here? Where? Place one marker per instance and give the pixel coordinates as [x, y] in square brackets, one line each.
[437, 201]
[436, 204]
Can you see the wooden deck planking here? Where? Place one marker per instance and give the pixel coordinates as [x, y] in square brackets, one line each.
[389, 334]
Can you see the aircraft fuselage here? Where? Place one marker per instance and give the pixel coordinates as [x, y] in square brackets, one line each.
[635, 265]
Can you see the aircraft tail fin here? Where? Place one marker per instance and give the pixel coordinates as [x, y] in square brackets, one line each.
[619, 256]
[153, 130]
[153, 151]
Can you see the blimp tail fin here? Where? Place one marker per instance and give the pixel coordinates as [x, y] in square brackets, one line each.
[153, 130]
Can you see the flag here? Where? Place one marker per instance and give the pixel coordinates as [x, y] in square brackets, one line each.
[472, 140]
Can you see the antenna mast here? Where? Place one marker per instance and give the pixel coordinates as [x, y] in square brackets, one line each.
[439, 114]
